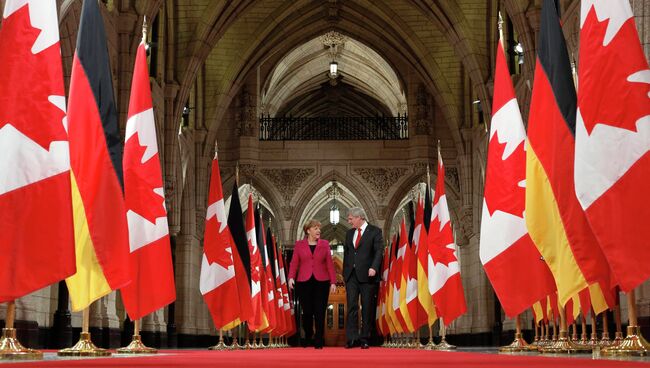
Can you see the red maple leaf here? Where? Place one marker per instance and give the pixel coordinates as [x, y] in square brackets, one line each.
[502, 190]
[27, 80]
[605, 94]
[216, 244]
[140, 180]
[438, 241]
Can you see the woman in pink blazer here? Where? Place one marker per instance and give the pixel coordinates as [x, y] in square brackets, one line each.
[313, 265]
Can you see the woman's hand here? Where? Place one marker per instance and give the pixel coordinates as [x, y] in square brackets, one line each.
[290, 283]
[332, 288]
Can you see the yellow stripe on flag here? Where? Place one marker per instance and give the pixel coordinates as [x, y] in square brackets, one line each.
[547, 230]
[406, 314]
[231, 325]
[424, 297]
[598, 302]
[89, 283]
[576, 307]
[539, 312]
[391, 312]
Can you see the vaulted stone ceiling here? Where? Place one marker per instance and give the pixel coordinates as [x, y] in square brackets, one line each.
[300, 84]
[432, 41]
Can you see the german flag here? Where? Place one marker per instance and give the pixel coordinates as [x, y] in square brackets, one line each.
[555, 219]
[101, 235]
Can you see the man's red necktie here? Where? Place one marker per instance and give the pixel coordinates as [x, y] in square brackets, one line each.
[356, 243]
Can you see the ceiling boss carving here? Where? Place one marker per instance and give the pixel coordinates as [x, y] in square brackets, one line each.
[288, 181]
[381, 179]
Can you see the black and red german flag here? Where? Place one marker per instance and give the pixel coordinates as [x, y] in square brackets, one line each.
[101, 235]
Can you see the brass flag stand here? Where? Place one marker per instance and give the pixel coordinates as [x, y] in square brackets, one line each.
[84, 347]
[563, 343]
[634, 344]
[444, 345]
[10, 347]
[430, 344]
[136, 346]
[220, 345]
[519, 344]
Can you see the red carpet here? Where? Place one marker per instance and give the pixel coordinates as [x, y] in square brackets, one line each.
[332, 357]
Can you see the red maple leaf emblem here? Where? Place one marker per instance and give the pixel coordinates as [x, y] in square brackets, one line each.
[27, 80]
[502, 190]
[218, 243]
[438, 241]
[140, 180]
[605, 94]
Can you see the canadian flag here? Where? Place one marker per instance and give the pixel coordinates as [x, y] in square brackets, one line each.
[281, 325]
[258, 321]
[445, 285]
[612, 159]
[285, 293]
[269, 287]
[511, 260]
[36, 226]
[218, 281]
[409, 303]
[152, 271]
[402, 319]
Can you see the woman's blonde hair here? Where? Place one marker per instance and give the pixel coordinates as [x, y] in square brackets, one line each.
[309, 224]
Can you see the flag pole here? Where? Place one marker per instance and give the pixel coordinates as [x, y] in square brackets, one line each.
[235, 332]
[220, 345]
[535, 343]
[563, 343]
[634, 344]
[444, 345]
[10, 347]
[594, 335]
[85, 346]
[604, 340]
[430, 344]
[136, 346]
[519, 344]
[583, 333]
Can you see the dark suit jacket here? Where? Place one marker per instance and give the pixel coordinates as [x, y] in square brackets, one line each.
[369, 254]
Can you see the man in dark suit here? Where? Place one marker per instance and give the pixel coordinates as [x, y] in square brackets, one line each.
[362, 258]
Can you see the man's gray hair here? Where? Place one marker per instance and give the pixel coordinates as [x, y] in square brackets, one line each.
[358, 212]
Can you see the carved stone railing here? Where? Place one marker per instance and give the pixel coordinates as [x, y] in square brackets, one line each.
[333, 128]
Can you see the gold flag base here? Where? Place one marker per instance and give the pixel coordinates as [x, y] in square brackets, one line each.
[430, 346]
[594, 340]
[84, 347]
[235, 345]
[618, 339]
[633, 345]
[445, 346]
[136, 347]
[12, 349]
[519, 344]
[220, 346]
[413, 343]
[564, 346]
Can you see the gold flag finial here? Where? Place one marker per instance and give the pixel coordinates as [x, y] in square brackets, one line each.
[237, 173]
[144, 29]
[500, 27]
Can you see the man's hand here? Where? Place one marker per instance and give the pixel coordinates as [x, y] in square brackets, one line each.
[290, 283]
[332, 288]
[371, 272]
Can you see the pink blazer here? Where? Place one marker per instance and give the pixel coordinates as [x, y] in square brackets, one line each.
[319, 264]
